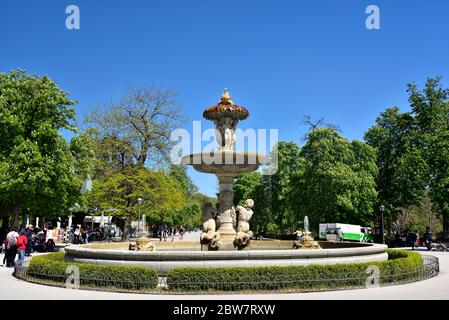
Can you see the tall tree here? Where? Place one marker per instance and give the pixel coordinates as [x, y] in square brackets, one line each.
[179, 172]
[36, 163]
[337, 183]
[403, 170]
[273, 210]
[279, 185]
[162, 195]
[431, 109]
[245, 187]
[139, 125]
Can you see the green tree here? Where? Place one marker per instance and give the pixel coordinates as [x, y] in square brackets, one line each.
[245, 186]
[273, 211]
[37, 165]
[403, 170]
[431, 109]
[179, 172]
[137, 128]
[337, 183]
[162, 195]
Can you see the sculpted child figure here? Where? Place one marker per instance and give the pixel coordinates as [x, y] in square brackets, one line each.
[210, 235]
[245, 213]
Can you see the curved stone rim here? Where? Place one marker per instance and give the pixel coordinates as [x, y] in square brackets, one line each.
[110, 254]
[226, 161]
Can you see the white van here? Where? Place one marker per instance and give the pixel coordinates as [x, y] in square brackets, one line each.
[348, 232]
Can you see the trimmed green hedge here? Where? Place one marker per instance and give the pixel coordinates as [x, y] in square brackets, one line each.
[401, 266]
[52, 267]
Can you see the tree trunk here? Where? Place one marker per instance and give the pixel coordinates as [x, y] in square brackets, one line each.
[445, 226]
[143, 154]
[125, 236]
[15, 215]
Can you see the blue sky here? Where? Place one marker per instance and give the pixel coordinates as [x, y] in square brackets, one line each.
[280, 59]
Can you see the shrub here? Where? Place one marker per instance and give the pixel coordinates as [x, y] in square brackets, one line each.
[400, 266]
[53, 267]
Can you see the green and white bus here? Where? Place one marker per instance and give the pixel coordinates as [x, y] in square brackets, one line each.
[345, 232]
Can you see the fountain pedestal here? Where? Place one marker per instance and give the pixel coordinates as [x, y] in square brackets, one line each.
[227, 216]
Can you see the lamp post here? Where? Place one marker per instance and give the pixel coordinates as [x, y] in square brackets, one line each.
[139, 202]
[382, 209]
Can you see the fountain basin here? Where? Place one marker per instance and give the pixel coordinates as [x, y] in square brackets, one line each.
[260, 253]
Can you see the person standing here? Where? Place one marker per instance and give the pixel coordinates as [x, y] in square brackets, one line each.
[165, 232]
[428, 238]
[298, 235]
[12, 247]
[77, 235]
[340, 234]
[22, 242]
[412, 239]
[83, 232]
[161, 232]
[5, 250]
[181, 233]
[29, 235]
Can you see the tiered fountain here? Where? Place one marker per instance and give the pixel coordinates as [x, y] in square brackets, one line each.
[226, 228]
[232, 223]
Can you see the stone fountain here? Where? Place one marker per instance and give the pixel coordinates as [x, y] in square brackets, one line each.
[307, 241]
[226, 227]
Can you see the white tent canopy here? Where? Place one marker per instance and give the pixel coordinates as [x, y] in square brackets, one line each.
[98, 219]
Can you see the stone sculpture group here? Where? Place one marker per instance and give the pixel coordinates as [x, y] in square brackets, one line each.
[211, 223]
[142, 244]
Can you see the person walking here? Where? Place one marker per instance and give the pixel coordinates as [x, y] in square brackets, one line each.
[29, 235]
[165, 232]
[12, 247]
[22, 242]
[5, 250]
[76, 235]
[412, 239]
[427, 238]
[83, 232]
[181, 233]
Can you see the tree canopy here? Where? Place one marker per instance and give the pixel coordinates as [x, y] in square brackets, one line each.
[337, 183]
[37, 165]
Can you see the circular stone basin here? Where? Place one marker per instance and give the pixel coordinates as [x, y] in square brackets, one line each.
[226, 161]
[169, 255]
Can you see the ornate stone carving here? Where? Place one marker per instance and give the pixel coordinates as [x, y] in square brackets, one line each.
[244, 233]
[209, 236]
[306, 242]
[142, 244]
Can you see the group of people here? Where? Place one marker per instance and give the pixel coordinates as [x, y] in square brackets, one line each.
[22, 242]
[412, 239]
[164, 232]
[81, 234]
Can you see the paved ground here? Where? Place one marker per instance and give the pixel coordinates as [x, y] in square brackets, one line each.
[435, 288]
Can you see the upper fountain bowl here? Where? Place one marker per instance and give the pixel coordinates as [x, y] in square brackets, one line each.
[226, 109]
[233, 162]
